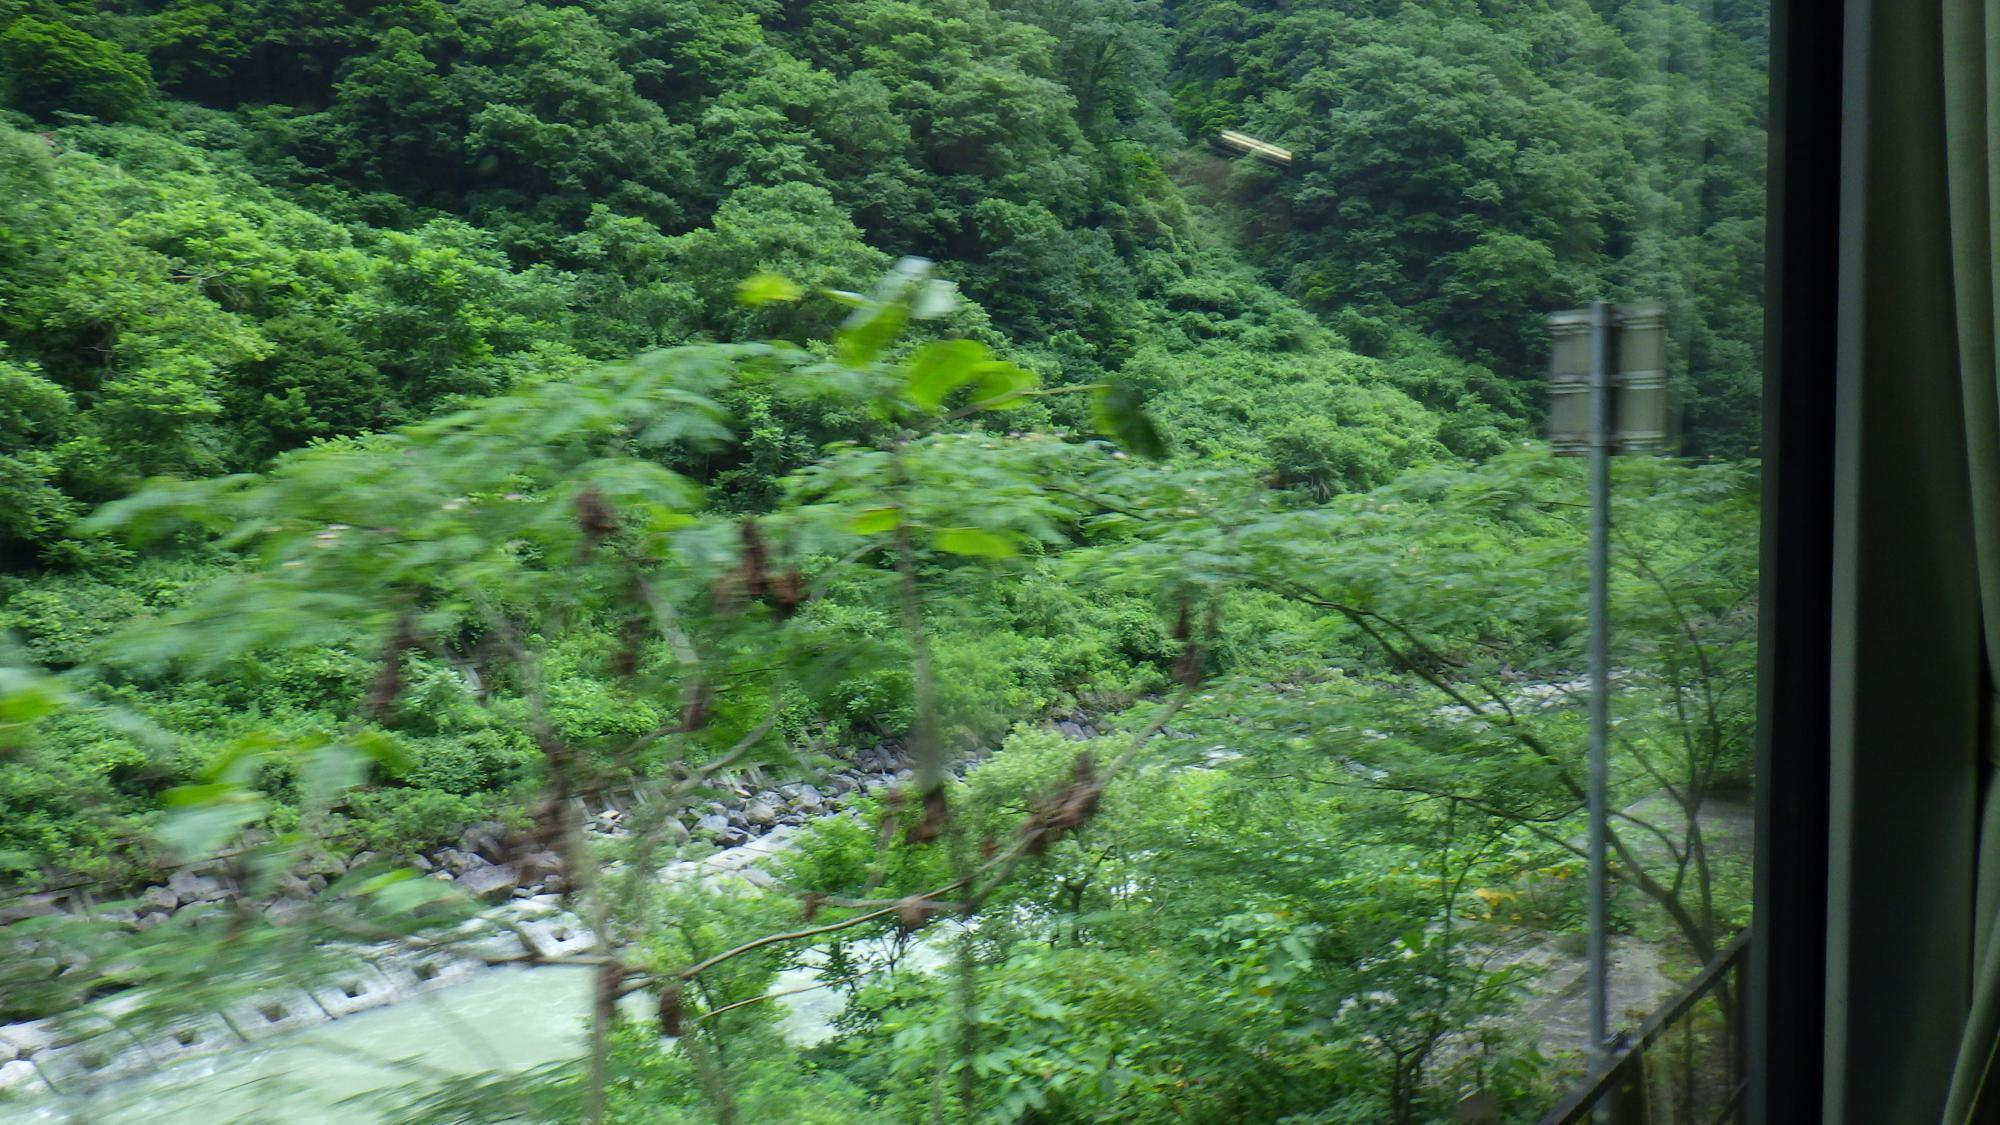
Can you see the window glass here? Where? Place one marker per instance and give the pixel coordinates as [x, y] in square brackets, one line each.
[855, 560]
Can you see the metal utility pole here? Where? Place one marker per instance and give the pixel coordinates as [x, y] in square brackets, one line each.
[1600, 669]
[1596, 413]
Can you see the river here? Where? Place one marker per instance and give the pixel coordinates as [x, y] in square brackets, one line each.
[505, 1019]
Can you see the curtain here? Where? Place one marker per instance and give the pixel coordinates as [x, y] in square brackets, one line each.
[1971, 81]
[1907, 682]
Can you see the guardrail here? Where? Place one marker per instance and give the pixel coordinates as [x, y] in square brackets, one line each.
[1686, 1065]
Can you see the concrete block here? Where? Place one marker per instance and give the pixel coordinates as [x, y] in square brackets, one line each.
[275, 1014]
[558, 937]
[356, 989]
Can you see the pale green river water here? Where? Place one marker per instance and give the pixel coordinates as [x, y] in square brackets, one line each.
[504, 1019]
[500, 1020]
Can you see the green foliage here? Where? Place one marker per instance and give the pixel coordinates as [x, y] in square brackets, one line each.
[340, 344]
[32, 410]
[1469, 168]
[167, 315]
[1208, 947]
[48, 66]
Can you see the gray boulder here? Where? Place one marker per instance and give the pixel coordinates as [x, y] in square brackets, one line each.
[486, 845]
[29, 906]
[287, 912]
[190, 887]
[493, 883]
[158, 899]
[537, 866]
[20, 1074]
[455, 861]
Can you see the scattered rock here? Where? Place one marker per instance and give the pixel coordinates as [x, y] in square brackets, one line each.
[189, 887]
[479, 842]
[808, 798]
[34, 968]
[324, 863]
[19, 1074]
[363, 859]
[287, 912]
[537, 866]
[27, 1039]
[29, 906]
[162, 899]
[148, 921]
[760, 814]
[423, 863]
[713, 825]
[493, 883]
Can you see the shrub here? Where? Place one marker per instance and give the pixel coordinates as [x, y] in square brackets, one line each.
[50, 66]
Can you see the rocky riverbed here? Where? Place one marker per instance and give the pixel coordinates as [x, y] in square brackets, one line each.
[748, 818]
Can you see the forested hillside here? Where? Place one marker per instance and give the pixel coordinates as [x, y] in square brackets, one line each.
[418, 415]
[311, 219]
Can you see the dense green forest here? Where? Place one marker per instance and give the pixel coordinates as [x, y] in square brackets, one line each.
[421, 418]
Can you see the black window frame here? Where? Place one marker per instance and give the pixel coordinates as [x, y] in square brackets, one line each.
[1787, 981]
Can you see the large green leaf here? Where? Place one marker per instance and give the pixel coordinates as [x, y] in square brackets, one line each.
[1003, 385]
[765, 288]
[1119, 413]
[869, 332]
[875, 521]
[973, 541]
[942, 367]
